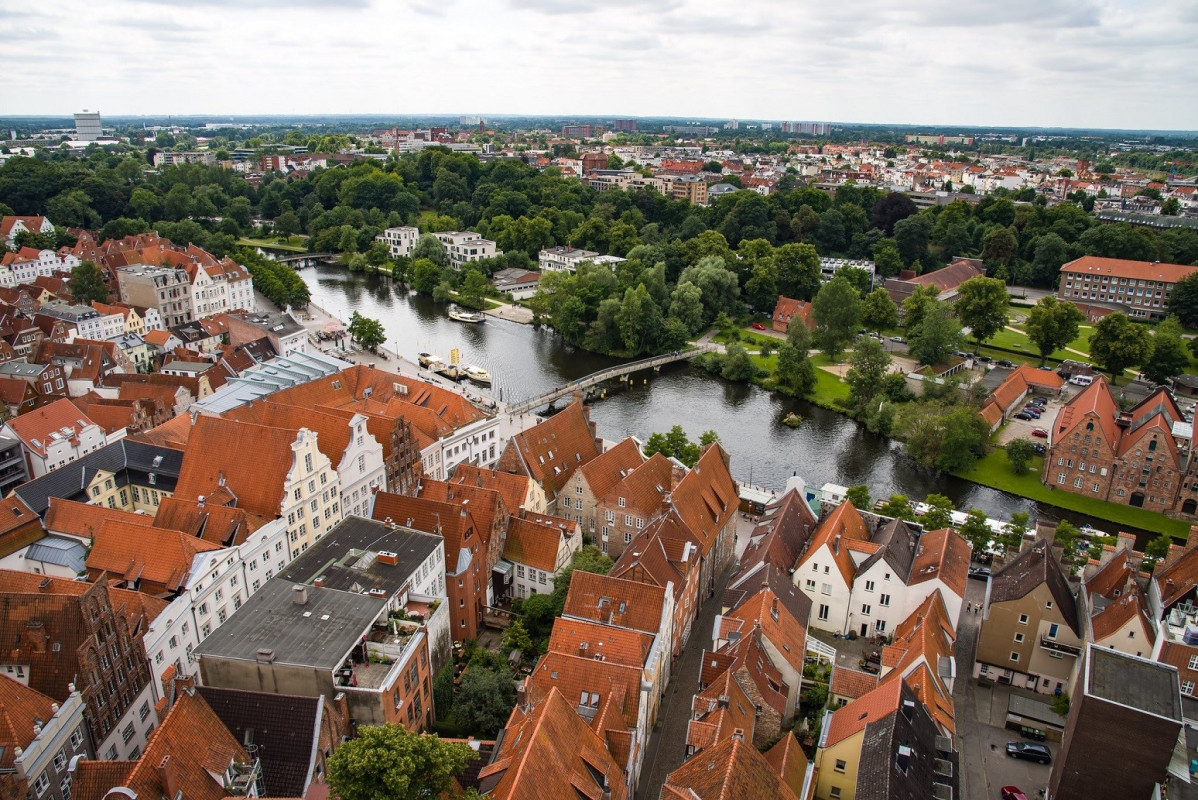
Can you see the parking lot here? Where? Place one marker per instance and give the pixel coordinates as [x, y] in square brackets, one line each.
[1022, 429]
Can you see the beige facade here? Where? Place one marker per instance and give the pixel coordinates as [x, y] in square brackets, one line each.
[836, 768]
[1027, 642]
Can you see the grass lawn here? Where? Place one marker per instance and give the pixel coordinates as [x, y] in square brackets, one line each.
[995, 471]
[294, 244]
[828, 387]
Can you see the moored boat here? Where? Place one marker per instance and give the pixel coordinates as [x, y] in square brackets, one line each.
[477, 374]
[427, 359]
[461, 315]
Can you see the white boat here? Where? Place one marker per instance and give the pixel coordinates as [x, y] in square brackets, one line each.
[477, 374]
[461, 315]
[427, 360]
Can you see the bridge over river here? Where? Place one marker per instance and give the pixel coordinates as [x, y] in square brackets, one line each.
[595, 378]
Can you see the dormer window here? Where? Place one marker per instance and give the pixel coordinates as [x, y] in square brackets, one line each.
[621, 502]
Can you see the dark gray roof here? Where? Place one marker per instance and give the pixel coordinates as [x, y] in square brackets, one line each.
[283, 728]
[131, 462]
[1137, 683]
[346, 557]
[902, 756]
[316, 634]
[898, 542]
[59, 550]
[1029, 569]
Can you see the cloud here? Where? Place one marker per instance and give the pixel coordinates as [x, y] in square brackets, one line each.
[562, 7]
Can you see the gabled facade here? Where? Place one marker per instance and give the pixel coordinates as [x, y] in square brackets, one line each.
[1114, 609]
[54, 435]
[550, 452]
[826, 570]
[592, 481]
[39, 738]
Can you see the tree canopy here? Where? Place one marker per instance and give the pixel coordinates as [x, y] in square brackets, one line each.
[388, 762]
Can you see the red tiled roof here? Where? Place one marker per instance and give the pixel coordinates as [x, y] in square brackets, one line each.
[851, 683]
[731, 770]
[706, 498]
[1097, 400]
[250, 461]
[1115, 598]
[1126, 268]
[614, 601]
[852, 718]
[600, 642]
[21, 708]
[552, 450]
[136, 553]
[1176, 579]
[644, 488]
[942, 554]
[84, 520]
[535, 541]
[610, 467]
[840, 528]
[788, 308]
[950, 277]
[35, 427]
[457, 527]
[512, 488]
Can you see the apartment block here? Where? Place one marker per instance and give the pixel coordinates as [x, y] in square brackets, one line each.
[462, 247]
[1140, 289]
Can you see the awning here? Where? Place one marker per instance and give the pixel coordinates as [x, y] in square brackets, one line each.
[502, 567]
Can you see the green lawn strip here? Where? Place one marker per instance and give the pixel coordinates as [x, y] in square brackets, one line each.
[266, 244]
[995, 471]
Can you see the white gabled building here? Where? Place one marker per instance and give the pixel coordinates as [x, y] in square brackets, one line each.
[28, 263]
[827, 568]
[567, 259]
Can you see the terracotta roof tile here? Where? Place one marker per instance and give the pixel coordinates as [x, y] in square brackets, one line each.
[137, 554]
[220, 525]
[731, 770]
[612, 466]
[1095, 402]
[20, 709]
[1178, 578]
[706, 498]
[942, 554]
[789, 762]
[1114, 598]
[852, 718]
[83, 520]
[617, 687]
[1126, 268]
[458, 529]
[718, 712]
[644, 489]
[552, 450]
[535, 541]
[252, 461]
[512, 488]
[852, 683]
[35, 427]
[779, 537]
[600, 642]
[614, 601]
[840, 527]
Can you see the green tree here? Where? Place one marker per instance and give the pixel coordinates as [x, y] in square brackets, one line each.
[1019, 454]
[87, 284]
[1171, 207]
[474, 289]
[1051, 253]
[639, 321]
[917, 304]
[1168, 358]
[430, 247]
[686, 306]
[425, 275]
[867, 370]
[367, 332]
[1066, 536]
[798, 270]
[1157, 548]
[1183, 300]
[939, 513]
[963, 441]
[388, 762]
[999, 246]
[936, 336]
[736, 364]
[794, 371]
[483, 701]
[287, 224]
[799, 336]
[859, 496]
[1060, 704]
[976, 531]
[837, 313]
[887, 260]
[982, 307]
[912, 236]
[718, 285]
[1118, 343]
[1014, 531]
[1052, 325]
[878, 311]
[898, 506]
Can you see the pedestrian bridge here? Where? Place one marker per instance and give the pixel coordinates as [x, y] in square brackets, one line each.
[301, 260]
[595, 378]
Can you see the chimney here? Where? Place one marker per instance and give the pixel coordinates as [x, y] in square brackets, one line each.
[200, 501]
[738, 735]
[299, 595]
[318, 582]
[45, 585]
[168, 776]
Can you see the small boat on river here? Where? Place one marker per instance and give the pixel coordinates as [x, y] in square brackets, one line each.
[477, 374]
[462, 315]
[426, 360]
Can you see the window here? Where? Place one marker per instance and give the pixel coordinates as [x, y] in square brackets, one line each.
[834, 792]
[41, 784]
[884, 600]
[1193, 662]
[866, 609]
[1048, 604]
[826, 589]
[1052, 630]
[1023, 619]
[869, 586]
[77, 739]
[627, 538]
[60, 760]
[1019, 638]
[1187, 688]
[811, 588]
[840, 765]
[127, 733]
[823, 612]
[144, 710]
[1014, 657]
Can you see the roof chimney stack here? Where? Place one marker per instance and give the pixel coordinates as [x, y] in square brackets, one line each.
[299, 595]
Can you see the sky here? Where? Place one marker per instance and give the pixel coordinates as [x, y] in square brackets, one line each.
[1054, 63]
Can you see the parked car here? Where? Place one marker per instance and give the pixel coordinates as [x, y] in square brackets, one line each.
[1039, 449]
[979, 573]
[985, 359]
[898, 339]
[1026, 417]
[757, 326]
[1029, 752]
[1040, 432]
[1013, 793]
[1033, 413]
[1002, 362]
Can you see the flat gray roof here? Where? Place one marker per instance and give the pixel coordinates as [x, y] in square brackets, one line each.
[317, 634]
[1133, 682]
[347, 557]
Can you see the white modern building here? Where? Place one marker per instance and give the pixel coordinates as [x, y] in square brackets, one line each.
[399, 241]
[567, 259]
[462, 247]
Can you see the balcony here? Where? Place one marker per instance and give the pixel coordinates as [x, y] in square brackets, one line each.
[1059, 647]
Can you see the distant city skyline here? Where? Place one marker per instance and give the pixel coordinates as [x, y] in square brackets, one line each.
[1122, 64]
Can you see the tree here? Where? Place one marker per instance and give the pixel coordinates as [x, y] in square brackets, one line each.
[859, 496]
[898, 506]
[939, 514]
[917, 304]
[912, 235]
[976, 530]
[794, 371]
[1066, 536]
[1168, 358]
[367, 332]
[1118, 343]
[87, 284]
[936, 336]
[1183, 300]
[718, 285]
[1014, 531]
[736, 364]
[867, 369]
[798, 270]
[999, 246]
[474, 289]
[1158, 548]
[389, 762]
[837, 313]
[1171, 207]
[982, 307]
[799, 335]
[887, 260]
[686, 306]
[1052, 325]
[675, 444]
[425, 275]
[1051, 253]
[430, 247]
[287, 224]
[1019, 454]
[483, 701]
[890, 209]
[1060, 704]
[878, 311]
[516, 638]
[963, 441]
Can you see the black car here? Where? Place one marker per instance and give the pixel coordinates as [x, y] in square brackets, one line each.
[980, 573]
[985, 359]
[1039, 449]
[1029, 752]
[1002, 362]
[1026, 417]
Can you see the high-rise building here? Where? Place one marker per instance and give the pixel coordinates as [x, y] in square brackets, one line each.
[623, 124]
[87, 126]
[1122, 705]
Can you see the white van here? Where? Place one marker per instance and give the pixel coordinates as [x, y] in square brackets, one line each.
[1082, 380]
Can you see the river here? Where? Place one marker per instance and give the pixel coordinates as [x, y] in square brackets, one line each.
[525, 361]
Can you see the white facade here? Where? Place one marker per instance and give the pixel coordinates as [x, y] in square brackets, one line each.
[45, 265]
[44, 763]
[361, 470]
[311, 501]
[130, 733]
[399, 241]
[567, 259]
[477, 443]
[60, 447]
[102, 327]
[528, 580]
[216, 290]
[462, 247]
[19, 226]
[879, 600]
[220, 582]
[819, 576]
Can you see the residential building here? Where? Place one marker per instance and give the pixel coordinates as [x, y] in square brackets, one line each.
[779, 537]
[594, 480]
[734, 769]
[275, 473]
[567, 259]
[151, 560]
[885, 746]
[691, 188]
[826, 570]
[462, 247]
[517, 491]
[1007, 398]
[1125, 705]
[1114, 609]
[1140, 289]
[218, 287]
[519, 284]
[28, 263]
[1173, 604]
[551, 451]
[549, 750]
[536, 548]
[292, 735]
[719, 711]
[286, 334]
[663, 558]
[11, 227]
[167, 290]
[48, 381]
[1030, 636]
[13, 471]
[787, 310]
[97, 630]
[39, 738]
[641, 496]
[399, 241]
[193, 754]
[87, 321]
[947, 280]
[54, 435]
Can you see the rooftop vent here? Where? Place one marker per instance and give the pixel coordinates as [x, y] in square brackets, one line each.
[388, 557]
[299, 595]
[264, 655]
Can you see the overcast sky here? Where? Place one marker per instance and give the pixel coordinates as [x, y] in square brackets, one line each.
[1075, 63]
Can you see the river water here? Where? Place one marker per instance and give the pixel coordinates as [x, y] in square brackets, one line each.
[525, 361]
